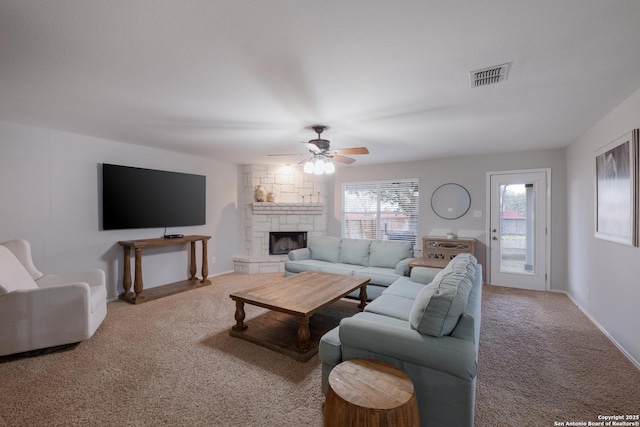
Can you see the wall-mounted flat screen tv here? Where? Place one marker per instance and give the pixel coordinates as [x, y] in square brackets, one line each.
[147, 198]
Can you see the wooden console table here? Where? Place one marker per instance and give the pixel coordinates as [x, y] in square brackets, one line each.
[138, 297]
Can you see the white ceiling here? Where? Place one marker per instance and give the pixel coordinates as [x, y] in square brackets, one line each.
[240, 79]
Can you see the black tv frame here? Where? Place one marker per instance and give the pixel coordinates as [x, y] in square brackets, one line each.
[134, 197]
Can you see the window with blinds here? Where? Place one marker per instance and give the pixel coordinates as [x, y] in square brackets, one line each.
[385, 210]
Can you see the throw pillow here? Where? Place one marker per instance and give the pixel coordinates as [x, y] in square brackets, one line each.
[439, 305]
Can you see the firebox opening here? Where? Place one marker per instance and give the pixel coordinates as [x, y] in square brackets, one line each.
[281, 242]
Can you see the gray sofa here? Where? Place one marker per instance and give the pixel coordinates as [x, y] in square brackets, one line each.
[428, 325]
[383, 261]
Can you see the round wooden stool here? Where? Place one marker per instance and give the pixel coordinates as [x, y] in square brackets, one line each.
[370, 393]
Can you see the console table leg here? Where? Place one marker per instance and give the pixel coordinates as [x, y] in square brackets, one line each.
[137, 281]
[205, 265]
[192, 264]
[126, 277]
[239, 326]
[303, 333]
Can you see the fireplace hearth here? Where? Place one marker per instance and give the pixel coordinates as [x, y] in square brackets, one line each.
[281, 242]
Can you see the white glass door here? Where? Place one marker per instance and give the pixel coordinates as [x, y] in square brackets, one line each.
[518, 230]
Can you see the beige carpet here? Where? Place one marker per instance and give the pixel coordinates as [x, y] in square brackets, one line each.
[542, 360]
[171, 362]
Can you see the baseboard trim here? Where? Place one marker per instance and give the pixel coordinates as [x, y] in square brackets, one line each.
[220, 274]
[603, 330]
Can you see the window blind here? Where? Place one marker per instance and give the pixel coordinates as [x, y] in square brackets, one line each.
[385, 210]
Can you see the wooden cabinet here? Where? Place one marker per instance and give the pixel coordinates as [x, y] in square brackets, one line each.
[439, 247]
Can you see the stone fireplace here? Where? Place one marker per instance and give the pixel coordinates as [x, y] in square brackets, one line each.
[299, 206]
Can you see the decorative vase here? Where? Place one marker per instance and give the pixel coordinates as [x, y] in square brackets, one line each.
[260, 194]
[271, 197]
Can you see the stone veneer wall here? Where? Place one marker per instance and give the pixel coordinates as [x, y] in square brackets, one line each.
[297, 207]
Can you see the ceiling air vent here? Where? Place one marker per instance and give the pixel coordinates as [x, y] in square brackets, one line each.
[488, 76]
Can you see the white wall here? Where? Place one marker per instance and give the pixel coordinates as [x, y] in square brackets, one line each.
[469, 172]
[49, 187]
[603, 277]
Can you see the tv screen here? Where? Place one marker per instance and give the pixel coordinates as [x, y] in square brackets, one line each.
[145, 198]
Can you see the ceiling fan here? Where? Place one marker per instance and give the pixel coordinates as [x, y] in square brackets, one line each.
[320, 148]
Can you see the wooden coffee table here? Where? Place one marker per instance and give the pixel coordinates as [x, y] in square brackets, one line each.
[300, 296]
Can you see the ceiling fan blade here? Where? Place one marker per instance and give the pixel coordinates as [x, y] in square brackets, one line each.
[312, 147]
[354, 150]
[304, 160]
[343, 159]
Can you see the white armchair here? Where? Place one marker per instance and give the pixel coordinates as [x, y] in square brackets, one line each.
[45, 310]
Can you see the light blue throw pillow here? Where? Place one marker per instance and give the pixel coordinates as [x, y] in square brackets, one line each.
[439, 305]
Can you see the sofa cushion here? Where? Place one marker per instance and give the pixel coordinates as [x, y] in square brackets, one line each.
[385, 253]
[13, 275]
[373, 291]
[438, 307]
[424, 275]
[404, 287]
[355, 251]
[378, 275]
[392, 306]
[339, 268]
[305, 265]
[325, 248]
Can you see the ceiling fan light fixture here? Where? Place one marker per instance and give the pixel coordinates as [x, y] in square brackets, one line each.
[318, 167]
[329, 168]
[308, 167]
[322, 157]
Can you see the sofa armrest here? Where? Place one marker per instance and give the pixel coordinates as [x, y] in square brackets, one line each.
[92, 278]
[299, 254]
[67, 300]
[402, 268]
[44, 317]
[446, 354]
[424, 275]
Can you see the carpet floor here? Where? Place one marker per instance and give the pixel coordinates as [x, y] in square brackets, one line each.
[171, 362]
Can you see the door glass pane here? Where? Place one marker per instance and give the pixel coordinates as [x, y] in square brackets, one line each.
[516, 228]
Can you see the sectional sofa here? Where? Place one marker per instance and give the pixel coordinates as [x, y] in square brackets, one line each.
[428, 325]
[383, 261]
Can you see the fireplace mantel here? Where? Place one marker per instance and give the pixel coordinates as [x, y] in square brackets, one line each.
[272, 208]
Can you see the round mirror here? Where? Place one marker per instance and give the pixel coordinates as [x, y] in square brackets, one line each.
[450, 201]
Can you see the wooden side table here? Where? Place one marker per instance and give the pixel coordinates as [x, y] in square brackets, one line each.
[370, 393]
[429, 262]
